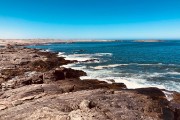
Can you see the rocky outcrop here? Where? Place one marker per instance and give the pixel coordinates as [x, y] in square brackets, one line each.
[34, 86]
[99, 104]
[63, 73]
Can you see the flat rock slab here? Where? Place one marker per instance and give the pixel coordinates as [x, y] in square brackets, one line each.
[96, 104]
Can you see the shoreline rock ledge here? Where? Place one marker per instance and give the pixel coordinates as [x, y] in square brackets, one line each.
[34, 86]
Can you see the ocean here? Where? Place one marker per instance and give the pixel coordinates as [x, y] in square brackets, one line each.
[137, 64]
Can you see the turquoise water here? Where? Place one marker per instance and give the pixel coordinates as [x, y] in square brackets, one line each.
[136, 64]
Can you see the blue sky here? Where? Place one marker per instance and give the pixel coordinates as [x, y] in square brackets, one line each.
[90, 19]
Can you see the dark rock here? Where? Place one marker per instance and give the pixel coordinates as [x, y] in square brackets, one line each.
[34, 56]
[70, 73]
[177, 114]
[38, 79]
[111, 80]
[27, 82]
[152, 92]
[175, 105]
[59, 75]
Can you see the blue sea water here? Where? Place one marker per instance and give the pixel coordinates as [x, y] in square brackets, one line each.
[137, 64]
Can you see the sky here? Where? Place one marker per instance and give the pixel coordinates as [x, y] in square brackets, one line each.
[90, 19]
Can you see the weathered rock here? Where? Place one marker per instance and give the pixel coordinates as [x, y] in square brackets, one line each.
[37, 79]
[118, 105]
[27, 98]
[52, 89]
[176, 97]
[160, 99]
[2, 107]
[72, 85]
[17, 102]
[46, 113]
[85, 105]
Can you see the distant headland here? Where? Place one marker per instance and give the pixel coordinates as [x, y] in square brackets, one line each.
[148, 40]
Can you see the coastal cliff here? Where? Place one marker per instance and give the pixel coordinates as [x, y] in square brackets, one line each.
[35, 86]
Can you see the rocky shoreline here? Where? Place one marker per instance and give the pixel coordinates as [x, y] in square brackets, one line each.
[35, 86]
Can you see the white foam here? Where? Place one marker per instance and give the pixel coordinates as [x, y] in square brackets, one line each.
[149, 75]
[83, 57]
[173, 73]
[78, 57]
[48, 50]
[117, 65]
[131, 81]
[158, 64]
[108, 66]
[103, 54]
[60, 53]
